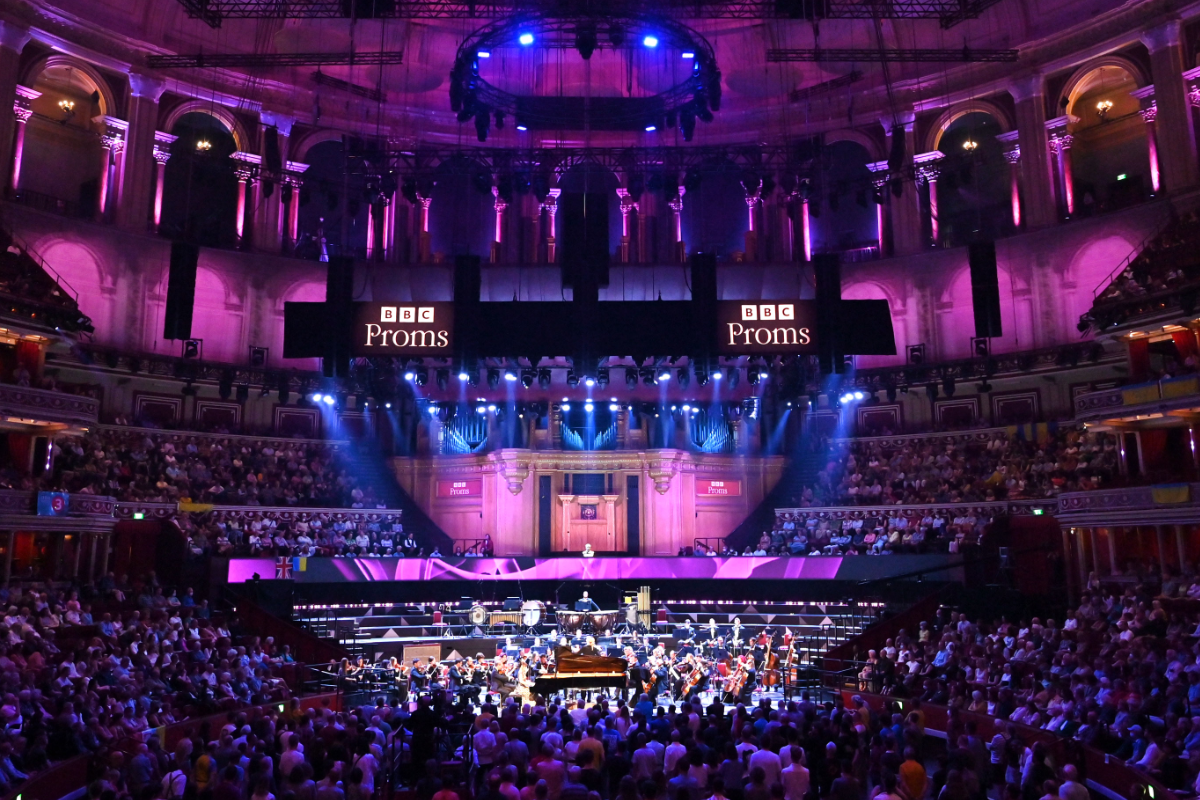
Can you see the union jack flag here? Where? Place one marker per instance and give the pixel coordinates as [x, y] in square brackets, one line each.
[283, 569]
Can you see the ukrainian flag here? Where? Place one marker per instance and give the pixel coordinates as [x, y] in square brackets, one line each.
[299, 564]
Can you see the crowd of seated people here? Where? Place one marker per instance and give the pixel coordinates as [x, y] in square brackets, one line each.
[133, 465]
[1120, 673]
[309, 534]
[82, 670]
[23, 277]
[866, 472]
[796, 533]
[1168, 262]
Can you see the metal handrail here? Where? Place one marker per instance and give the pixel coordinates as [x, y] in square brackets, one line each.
[1137, 250]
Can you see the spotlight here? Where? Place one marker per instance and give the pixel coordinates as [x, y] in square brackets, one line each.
[544, 378]
[528, 376]
[651, 128]
[327, 399]
[650, 40]
[683, 376]
[631, 378]
[572, 379]
[509, 375]
[686, 408]
[585, 41]
[387, 405]
[491, 408]
[493, 378]
[480, 409]
[664, 376]
[589, 381]
[422, 374]
[716, 375]
[588, 407]
[432, 410]
[316, 398]
[525, 39]
[688, 54]
[483, 54]
[859, 395]
[463, 376]
[442, 376]
[522, 128]
[566, 406]
[410, 376]
[613, 407]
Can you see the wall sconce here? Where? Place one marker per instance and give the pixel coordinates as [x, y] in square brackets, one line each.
[204, 145]
[1103, 107]
[969, 145]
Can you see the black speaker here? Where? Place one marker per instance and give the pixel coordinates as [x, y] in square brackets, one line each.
[339, 289]
[272, 159]
[827, 271]
[985, 289]
[704, 301]
[181, 291]
[468, 283]
[584, 238]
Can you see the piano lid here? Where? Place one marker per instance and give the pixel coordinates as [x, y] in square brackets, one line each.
[567, 663]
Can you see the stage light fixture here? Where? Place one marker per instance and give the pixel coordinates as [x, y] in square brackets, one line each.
[480, 409]
[491, 408]
[442, 376]
[493, 378]
[410, 376]
[525, 39]
[327, 400]
[631, 378]
[522, 128]
[433, 409]
[716, 375]
[387, 405]
[650, 40]
[528, 376]
[422, 375]
[859, 395]
[602, 377]
[463, 376]
[686, 408]
[613, 407]
[589, 381]
[684, 376]
[651, 128]
[566, 406]
[664, 376]
[588, 407]
[509, 375]
[585, 40]
[734, 375]
[687, 54]
[701, 377]
[572, 379]
[483, 54]
[545, 377]
[753, 375]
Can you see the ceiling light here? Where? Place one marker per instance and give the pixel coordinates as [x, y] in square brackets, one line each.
[204, 145]
[1103, 107]
[650, 40]
[525, 39]
[969, 145]
[483, 54]
[688, 54]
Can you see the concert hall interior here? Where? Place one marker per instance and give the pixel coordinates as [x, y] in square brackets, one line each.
[579, 400]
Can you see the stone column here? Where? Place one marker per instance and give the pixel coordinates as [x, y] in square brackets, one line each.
[1036, 178]
[676, 206]
[879, 181]
[1112, 551]
[1012, 154]
[1175, 128]
[137, 177]
[550, 206]
[248, 167]
[752, 202]
[928, 168]
[423, 240]
[805, 230]
[628, 206]
[372, 223]
[293, 178]
[105, 546]
[269, 216]
[906, 209]
[22, 111]
[1180, 546]
[1149, 112]
[112, 141]
[162, 154]
[8, 555]
[499, 205]
[1059, 143]
[13, 39]
[94, 538]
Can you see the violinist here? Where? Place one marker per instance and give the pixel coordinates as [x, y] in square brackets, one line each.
[418, 678]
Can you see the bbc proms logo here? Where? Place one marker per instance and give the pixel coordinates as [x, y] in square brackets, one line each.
[768, 312]
[406, 315]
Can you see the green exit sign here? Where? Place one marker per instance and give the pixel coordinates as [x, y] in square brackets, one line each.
[1037, 512]
[1121, 177]
[138, 515]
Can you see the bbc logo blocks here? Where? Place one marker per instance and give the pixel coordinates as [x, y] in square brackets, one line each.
[768, 312]
[406, 315]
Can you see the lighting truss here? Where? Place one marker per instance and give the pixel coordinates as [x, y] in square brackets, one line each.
[901, 55]
[273, 60]
[808, 92]
[948, 12]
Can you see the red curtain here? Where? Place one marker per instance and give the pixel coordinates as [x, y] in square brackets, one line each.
[29, 356]
[1185, 343]
[1139, 360]
[1154, 449]
[20, 451]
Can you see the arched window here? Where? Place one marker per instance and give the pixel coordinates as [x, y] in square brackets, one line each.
[1109, 154]
[841, 204]
[334, 211]
[62, 157]
[200, 183]
[973, 185]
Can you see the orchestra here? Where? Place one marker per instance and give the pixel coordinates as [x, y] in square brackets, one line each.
[730, 669]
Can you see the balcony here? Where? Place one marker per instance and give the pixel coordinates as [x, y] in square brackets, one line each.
[1158, 504]
[30, 410]
[1169, 397]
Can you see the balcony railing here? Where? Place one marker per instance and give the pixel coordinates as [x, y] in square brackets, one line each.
[48, 406]
[1143, 398]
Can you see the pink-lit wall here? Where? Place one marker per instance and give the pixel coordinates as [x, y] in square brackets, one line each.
[1046, 279]
[673, 511]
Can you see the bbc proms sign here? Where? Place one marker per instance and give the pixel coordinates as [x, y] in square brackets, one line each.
[403, 329]
[745, 327]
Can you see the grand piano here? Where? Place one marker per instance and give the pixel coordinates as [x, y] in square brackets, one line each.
[579, 671]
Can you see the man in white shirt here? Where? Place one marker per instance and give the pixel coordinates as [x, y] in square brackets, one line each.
[769, 761]
[673, 753]
[795, 777]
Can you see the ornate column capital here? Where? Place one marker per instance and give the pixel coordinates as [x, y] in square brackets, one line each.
[927, 166]
[244, 174]
[14, 36]
[150, 87]
[1012, 147]
[1027, 87]
[22, 113]
[161, 154]
[248, 164]
[1167, 34]
[1060, 142]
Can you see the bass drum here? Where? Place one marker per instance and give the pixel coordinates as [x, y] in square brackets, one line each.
[531, 612]
[477, 615]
